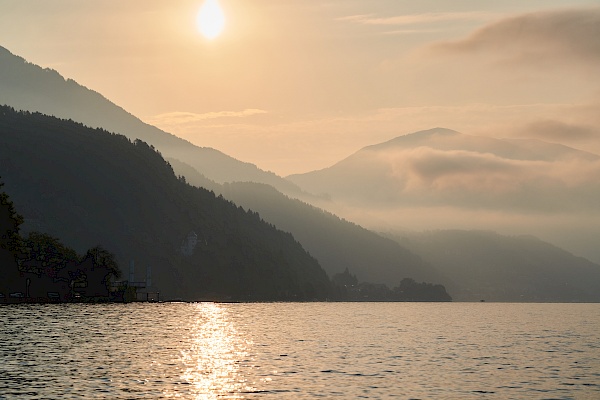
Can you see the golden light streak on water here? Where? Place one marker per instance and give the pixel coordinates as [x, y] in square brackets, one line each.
[213, 358]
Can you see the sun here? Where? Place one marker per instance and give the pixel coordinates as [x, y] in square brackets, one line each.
[211, 19]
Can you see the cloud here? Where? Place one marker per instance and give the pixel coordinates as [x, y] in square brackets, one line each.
[409, 31]
[413, 19]
[555, 198]
[461, 179]
[558, 131]
[536, 58]
[355, 18]
[320, 142]
[178, 117]
[447, 169]
[470, 174]
[466, 171]
[540, 37]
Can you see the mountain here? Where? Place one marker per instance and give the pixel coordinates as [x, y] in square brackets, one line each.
[26, 86]
[88, 187]
[443, 179]
[486, 265]
[426, 176]
[442, 167]
[337, 244]
[192, 176]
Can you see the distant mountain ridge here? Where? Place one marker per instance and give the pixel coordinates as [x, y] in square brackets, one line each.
[29, 87]
[441, 167]
[484, 265]
[511, 148]
[413, 138]
[444, 179]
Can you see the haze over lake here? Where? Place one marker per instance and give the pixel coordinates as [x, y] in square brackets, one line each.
[301, 350]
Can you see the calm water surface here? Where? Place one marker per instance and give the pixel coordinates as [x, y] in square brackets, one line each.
[300, 350]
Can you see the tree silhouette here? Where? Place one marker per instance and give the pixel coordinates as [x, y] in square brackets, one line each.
[47, 250]
[10, 222]
[102, 258]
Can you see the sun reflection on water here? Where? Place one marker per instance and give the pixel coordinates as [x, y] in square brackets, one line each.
[212, 360]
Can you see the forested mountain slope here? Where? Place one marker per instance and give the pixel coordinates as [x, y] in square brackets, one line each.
[336, 243]
[90, 187]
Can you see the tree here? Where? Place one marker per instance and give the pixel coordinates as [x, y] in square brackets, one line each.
[10, 243]
[10, 221]
[410, 290]
[104, 259]
[45, 251]
[345, 279]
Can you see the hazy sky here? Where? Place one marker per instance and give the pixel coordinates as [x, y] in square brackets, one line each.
[296, 85]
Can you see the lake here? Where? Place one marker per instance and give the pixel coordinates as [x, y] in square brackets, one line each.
[300, 350]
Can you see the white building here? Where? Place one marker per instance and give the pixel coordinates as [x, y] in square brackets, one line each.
[189, 244]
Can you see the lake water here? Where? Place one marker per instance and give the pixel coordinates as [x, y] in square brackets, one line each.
[300, 350]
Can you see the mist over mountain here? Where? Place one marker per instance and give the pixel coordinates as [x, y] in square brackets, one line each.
[445, 167]
[89, 187]
[443, 179]
[427, 180]
[492, 267]
[26, 86]
[373, 258]
[336, 243]
[472, 265]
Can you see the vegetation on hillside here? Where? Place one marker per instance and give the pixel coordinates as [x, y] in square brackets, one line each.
[40, 268]
[335, 242]
[348, 288]
[89, 186]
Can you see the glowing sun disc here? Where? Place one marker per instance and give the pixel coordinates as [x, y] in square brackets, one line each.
[211, 19]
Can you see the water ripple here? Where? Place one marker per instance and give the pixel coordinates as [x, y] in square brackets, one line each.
[282, 350]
